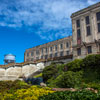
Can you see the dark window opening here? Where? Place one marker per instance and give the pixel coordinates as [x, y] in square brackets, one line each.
[89, 48]
[98, 16]
[37, 52]
[61, 46]
[32, 53]
[87, 20]
[88, 30]
[50, 55]
[98, 27]
[61, 53]
[41, 57]
[78, 33]
[46, 50]
[79, 51]
[67, 52]
[56, 54]
[78, 23]
[50, 48]
[27, 54]
[55, 47]
[67, 44]
[46, 56]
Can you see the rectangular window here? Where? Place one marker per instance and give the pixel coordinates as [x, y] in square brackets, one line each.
[55, 47]
[61, 53]
[37, 58]
[37, 52]
[78, 23]
[50, 55]
[88, 30]
[87, 20]
[67, 52]
[50, 48]
[46, 56]
[79, 51]
[32, 53]
[46, 50]
[67, 45]
[98, 27]
[89, 48]
[98, 16]
[41, 57]
[78, 33]
[61, 46]
[27, 54]
[42, 50]
[56, 54]
[32, 59]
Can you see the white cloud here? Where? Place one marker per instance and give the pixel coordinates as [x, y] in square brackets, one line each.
[90, 2]
[51, 17]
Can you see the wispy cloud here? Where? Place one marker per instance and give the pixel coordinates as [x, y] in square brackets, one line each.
[47, 18]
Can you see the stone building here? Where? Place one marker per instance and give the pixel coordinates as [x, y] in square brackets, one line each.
[86, 31]
[85, 38]
[58, 48]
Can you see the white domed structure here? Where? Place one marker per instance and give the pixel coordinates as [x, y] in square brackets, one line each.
[9, 58]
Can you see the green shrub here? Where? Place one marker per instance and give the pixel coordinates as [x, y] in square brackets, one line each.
[92, 62]
[69, 79]
[49, 72]
[11, 86]
[68, 95]
[91, 67]
[75, 65]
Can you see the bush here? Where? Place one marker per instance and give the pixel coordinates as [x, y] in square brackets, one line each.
[69, 79]
[91, 67]
[12, 86]
[49, 72]
[92, 62]
[68, 95]
[31, 93]
[75, 65]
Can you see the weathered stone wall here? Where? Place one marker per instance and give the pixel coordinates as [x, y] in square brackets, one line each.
[13, 73]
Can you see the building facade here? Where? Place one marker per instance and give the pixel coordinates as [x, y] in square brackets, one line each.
[58, 48]
[86, 31]
[85, 38]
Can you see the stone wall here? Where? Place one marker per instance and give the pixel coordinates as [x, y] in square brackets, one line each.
[13, 73]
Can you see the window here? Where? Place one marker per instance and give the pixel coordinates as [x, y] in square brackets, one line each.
[87, 20]
[50, 55]
[55, 47]
[61, 46]
[32, 59]
[78, 23]
[46, 50]
[78, 33]
[37, 58]
[42, 50]
[27, 54]
[56, 54]
[89, 48]
[61, 53]
[67, 45]
[98, 27]
[37, 52]
[79, 51]
[88, 30]
[46, 56]
[50, 48]
[67, 52]
[32, 53]
[98, 16]
[41, 57]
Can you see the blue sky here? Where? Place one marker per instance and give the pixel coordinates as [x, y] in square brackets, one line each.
[28, 23]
